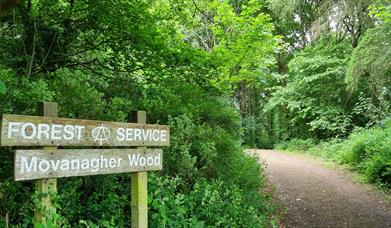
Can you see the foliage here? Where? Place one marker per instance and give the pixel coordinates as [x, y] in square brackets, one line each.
[258, 132]
[245, 41]
[313, 110]
[296, 145]
[381, 11]
[294, 20]
[2, 88]
[302, 22]
[368, 76]
[208, 204]
[365, 151]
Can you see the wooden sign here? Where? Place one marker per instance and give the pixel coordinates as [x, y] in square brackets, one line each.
[38, 164]
[18, 130]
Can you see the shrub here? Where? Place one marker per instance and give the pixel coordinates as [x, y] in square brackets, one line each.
[378, 168]
[366, 151]
[207, 204]
[296, 145]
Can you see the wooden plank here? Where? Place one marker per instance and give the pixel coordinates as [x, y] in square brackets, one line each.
[139, 200]
[139, 185]
[18, 130]
[46, 187]
[38, 164]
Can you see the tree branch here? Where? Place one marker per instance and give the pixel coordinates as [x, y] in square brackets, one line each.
[202, 12]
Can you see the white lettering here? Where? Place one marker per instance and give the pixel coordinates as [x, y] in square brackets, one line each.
[42, 164]
[33, 131]
[163, 135]
[143, 161]
[95, 164]
[121, 134]
[141, 134]
[85, 164]
[133, 160]
[157, 160]
[69, 132]
[129, 134]
[102, 159]
[43, 129]
[56, 131]
[156, 135]
[112, 162]
[26, 167]
[11, 128]
[55, 164]
[137, 134]
[119, 162]
[150, 161]
[146, 134]
[79, 131]
[75, 164]
[65, 165]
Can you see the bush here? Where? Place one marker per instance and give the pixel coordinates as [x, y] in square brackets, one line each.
[366, 151]
[302, 145]
[207, 204]
[378, 168]
[369, 153]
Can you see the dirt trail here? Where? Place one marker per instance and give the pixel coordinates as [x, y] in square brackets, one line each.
[318, 196]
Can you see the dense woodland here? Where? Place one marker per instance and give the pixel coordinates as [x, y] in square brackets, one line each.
[310, 75]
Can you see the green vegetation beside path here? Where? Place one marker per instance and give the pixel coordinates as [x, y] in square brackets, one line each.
[366, 151]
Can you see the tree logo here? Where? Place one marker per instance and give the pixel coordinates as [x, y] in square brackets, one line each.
[101, 134]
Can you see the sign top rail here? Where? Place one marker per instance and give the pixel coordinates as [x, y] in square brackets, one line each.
[21, 130]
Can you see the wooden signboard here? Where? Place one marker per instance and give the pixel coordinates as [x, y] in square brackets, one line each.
[48, 163]
[18, 130]
[38, 164]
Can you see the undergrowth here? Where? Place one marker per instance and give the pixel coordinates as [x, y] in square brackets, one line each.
[366, 151]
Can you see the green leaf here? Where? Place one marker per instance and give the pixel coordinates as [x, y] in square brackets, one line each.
[3, 89]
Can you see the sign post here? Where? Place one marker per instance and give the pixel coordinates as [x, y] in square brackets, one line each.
[139, 186]
[47, 132]
[46, 188]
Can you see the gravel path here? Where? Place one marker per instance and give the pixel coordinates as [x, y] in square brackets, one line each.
[319, 196]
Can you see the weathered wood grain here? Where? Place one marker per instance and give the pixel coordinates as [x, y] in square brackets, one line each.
[101, 161]
[46, 187]
[79, 132]
[139, 184]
